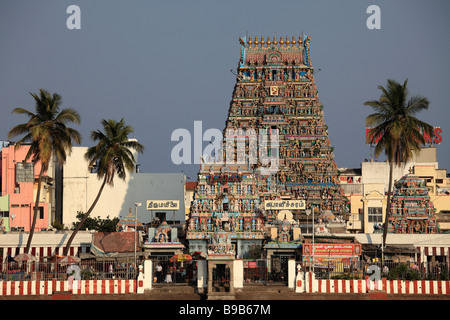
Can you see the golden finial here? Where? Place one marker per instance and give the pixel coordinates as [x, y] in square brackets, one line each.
[250, 41]
[262, 41]
[287, 41]
[281, 41]
[268, 42]
[293, 41]
[300, 40]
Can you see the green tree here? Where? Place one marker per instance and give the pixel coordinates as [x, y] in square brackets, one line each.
[400, 133]
[111, 156]
[48, 135]
[99, 224]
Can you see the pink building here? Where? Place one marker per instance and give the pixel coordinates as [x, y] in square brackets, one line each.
[19, 182]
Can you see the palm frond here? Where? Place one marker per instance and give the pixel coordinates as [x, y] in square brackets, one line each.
[113, 152]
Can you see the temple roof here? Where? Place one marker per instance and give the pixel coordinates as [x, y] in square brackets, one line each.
[129, 221]
[114, 242]
[283, 43]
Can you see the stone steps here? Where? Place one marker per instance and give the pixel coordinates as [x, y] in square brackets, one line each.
[264, 292]
[248, 292]
[174, 292]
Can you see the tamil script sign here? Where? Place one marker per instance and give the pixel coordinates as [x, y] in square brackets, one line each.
[330, 249]
[284, 204]
[163, 204]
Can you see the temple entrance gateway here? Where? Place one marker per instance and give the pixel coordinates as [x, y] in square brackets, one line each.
[279, 267]
[220, 278]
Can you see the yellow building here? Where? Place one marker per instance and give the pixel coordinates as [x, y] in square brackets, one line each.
[366, 188]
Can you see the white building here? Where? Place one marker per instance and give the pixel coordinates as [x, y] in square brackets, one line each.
[80, 186]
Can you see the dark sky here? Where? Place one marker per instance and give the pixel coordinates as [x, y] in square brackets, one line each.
[161, 65]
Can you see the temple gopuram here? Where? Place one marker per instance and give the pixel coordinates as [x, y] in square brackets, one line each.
[276, 161]
[411, 208]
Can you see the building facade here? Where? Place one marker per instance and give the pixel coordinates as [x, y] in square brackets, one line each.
[366, 189]
[80, 186]
[19, 181]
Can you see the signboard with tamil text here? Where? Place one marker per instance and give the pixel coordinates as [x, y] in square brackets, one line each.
[163, 205]
[284, 204]
[331, 249]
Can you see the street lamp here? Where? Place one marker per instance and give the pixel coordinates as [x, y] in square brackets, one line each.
[308, 212]
[136, 205]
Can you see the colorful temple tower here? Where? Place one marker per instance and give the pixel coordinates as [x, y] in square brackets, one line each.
[276, 160]
[411, 208]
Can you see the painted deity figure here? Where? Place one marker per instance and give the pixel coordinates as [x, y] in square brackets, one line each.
[162, 234]
[232, 224]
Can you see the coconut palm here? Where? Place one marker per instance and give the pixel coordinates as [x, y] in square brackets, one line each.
[400, 133]
[48, 135]
[111, 156]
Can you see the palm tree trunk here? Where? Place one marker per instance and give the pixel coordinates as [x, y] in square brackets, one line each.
[388, 203]
[74, 233]
[36, 208]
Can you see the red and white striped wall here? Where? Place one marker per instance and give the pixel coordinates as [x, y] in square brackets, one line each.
[310, 285]
[416, 287]
[8, 288]
[389, 286]
[341, 286]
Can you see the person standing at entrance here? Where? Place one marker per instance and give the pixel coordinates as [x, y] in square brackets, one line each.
[159, 272]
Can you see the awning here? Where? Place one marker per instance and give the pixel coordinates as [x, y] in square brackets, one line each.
[401, 249]
[369, 249]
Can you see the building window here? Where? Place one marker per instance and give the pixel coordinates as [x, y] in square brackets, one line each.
[41, 213]
[24, 172]
[375, 214]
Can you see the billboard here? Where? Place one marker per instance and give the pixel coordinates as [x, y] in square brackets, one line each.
[437, 139]
[332, 249]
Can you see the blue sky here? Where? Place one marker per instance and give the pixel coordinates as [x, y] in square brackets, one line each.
[161, 65]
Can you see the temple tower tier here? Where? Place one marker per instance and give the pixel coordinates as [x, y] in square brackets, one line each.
[411, 208]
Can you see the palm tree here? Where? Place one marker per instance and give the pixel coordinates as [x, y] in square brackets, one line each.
[49, 136]
[111, 156]
[400, 132]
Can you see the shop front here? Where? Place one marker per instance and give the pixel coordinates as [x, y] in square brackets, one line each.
[332, 258]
